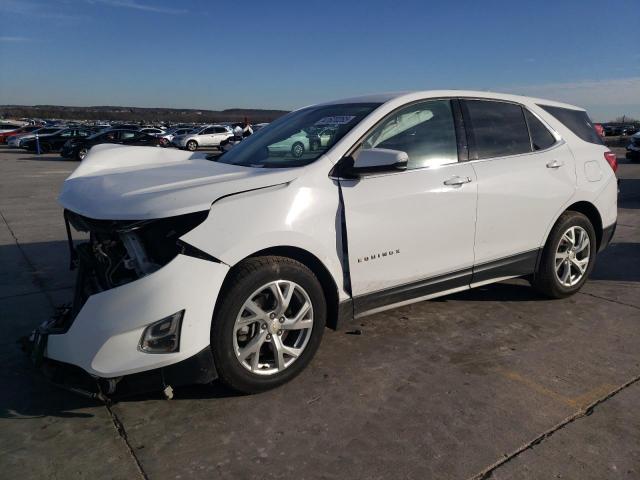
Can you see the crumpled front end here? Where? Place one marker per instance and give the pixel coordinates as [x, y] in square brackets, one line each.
[143, 303]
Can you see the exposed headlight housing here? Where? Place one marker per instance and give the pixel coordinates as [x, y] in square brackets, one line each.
[162, 336]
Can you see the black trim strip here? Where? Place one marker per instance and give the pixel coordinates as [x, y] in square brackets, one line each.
[512, 266]
[410, 291]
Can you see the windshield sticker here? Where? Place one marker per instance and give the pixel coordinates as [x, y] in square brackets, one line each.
[335, 120]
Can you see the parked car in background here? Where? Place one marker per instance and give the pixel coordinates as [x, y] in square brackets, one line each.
[53, 142]
[152, 131]
[258, 126]
[192, 269]
[20, 131]
[207, 136]
[78, 148]
[168, 136]
[15, 141]
[633, 149]
[9, 127]
[303, 141]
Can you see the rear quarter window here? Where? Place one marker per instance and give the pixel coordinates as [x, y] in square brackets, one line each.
[577, 121]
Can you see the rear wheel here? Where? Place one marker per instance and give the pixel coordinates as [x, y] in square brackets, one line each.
[568, 256]
[269, 324]
[82, 153]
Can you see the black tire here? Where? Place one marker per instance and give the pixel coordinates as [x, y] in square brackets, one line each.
[545, 279]
[192, 145]
[245, 279]
[82, 153]
[297, 149]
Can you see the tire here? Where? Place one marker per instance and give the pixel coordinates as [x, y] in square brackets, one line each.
[250, 280]
[557, 257]
[297, 149]
[163, 142]
[82, 153]
[192, 145]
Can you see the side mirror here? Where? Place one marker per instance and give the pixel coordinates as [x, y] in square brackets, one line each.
[378, 160]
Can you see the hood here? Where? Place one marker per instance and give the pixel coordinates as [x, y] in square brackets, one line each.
[116, 182]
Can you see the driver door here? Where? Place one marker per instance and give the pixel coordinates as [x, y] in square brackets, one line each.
[410, 233]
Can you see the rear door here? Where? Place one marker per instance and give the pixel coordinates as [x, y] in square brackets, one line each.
[525, 175]
[410, 233]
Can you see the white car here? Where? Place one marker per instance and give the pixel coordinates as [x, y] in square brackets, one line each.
[231, 267]
[209, 136]
[303, 141]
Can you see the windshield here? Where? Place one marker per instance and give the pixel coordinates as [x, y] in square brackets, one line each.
[298, 138]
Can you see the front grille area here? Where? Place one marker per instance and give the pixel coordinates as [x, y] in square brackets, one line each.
[121, 251]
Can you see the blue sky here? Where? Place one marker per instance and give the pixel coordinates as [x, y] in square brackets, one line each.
[285, 54]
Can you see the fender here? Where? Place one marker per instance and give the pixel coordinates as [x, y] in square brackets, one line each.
[294, 214]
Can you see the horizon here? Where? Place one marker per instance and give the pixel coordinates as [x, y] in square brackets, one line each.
[165, 54]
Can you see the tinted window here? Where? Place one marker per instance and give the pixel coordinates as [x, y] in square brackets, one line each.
[220, 130]
[126, 135]
[577, 121]
[499, 128]
[208, 131]
[425, 131]
[541, 138]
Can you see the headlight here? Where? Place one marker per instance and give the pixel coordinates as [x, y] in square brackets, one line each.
[162, 336]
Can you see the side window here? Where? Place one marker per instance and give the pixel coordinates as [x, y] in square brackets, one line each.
[67, 133]
[220, 130]
[577, 121]
[425, 131]
[541, 138]
[126, 135]
[499, 128]
[208, 131]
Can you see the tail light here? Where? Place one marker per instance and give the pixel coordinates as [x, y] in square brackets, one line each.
[612, 160]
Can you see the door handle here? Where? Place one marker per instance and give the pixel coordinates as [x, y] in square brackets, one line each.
[554, 164]
[457, 181]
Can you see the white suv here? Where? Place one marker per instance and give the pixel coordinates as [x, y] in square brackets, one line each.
[209, 136]
[231, 267]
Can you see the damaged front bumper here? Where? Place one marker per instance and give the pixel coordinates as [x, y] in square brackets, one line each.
[103, 339]
[128, 299]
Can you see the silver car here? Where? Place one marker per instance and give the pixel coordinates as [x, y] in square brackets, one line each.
[208, 136]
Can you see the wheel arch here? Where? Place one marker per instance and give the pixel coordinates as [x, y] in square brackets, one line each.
[313, 263]
[590, 211]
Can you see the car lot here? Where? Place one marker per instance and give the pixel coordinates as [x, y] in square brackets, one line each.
[449, 388]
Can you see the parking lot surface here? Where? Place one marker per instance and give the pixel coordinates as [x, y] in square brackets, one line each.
[492, 383]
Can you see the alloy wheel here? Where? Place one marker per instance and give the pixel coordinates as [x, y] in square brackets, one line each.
[572, 256]
[273, 327]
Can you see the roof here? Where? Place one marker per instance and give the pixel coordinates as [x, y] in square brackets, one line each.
[417, 95]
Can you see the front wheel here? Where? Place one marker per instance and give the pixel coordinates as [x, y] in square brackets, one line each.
[82, 153]
[269, 324]
[192, 146]
[297, 149]
[568, 256]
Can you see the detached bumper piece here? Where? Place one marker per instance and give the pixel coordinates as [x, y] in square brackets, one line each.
[198, 369]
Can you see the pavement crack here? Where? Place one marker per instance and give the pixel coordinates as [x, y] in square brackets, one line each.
[119, 426]
[33, 270]
[609, 300]
[487, 473]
